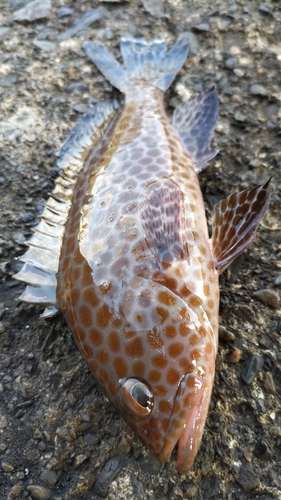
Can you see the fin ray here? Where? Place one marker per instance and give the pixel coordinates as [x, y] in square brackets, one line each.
[235, 222]
[41, 261]
[195, 121]
[162, 215]
[143, 61]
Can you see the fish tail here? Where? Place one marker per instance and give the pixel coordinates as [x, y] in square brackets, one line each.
[148, 61]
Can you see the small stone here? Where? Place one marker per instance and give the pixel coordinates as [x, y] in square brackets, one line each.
[6, 467]
[85, 21]
[20, 475]
[247, 478]
[154, 7]
[39, 492]
[81, 108]
[91, 439]
[2, 327]
[231, 63]
[191, 491]
[194, 43]
[16, 490]
[262, 449]
[235, 356]
[44, 45]
[278, 279]
[251, 368]
[149, 463]
[239, 117]
[65, 11]
[110, 470]
[225, 334]
[38, 9]
[245, 312]
[275, 431]
[49, 477]
[80, 459]
[269, 383]
[4, 30]
[124, 446]
[257, 89]
[202, 27]
[269, 297]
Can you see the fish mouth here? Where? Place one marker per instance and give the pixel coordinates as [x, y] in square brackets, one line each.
[186, 425]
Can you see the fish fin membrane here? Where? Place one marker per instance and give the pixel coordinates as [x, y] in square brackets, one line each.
[235, 221]
[144, 60]
[41, 261]
[162, 214]
[195, 121]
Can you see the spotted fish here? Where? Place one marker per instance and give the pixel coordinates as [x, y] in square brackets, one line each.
[123, 251]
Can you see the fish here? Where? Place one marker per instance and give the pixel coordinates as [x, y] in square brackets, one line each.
[122, 250]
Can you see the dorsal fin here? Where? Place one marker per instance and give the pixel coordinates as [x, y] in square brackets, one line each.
[235, 221]
[195, 121]
[162, 214]
[41, 261]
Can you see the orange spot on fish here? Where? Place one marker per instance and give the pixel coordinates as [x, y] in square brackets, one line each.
[135, 348]
[173, 376]
[95, 337]
[103, 316]
[167, 298]
[120, 367]
[175, 349]
[114, 342]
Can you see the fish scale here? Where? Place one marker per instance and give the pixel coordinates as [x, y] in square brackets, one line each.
[135, 274]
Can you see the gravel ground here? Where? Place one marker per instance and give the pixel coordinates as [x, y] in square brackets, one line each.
[59, 436]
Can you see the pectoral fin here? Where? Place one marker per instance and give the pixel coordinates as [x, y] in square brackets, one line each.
[235, 222]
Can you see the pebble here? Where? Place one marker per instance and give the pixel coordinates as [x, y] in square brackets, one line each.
[44, 45]
[39, 492]
[235, 356]
[231, 63]
[149, 463]
[191, 491]
[65, 11]
[262, 448]
[269, 383]
[239, 117]
[275, 431]
[251, 368]
[225, 334]
[245, 312]
[110, 470]
[154, 7]
[247, 478]
[257, 90]
[38, 9]
[4, 30]
[278, 279]
[49, 477]
[202, 27]
[16, 490]
[85, 21]
[269, 297]
[2, 327]
[6, 467]
[80, 459]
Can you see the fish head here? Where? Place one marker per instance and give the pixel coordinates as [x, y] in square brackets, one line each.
[165, 394]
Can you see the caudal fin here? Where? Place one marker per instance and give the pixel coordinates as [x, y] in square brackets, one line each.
[150, 61]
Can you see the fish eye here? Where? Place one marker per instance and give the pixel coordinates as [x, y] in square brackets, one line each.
[136, 397]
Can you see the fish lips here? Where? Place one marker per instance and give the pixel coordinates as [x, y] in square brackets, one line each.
[185, 423]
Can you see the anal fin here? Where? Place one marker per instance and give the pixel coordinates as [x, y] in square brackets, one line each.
[195, 121]
[235, 221]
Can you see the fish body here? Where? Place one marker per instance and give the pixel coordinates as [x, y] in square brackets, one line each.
[136, 276]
